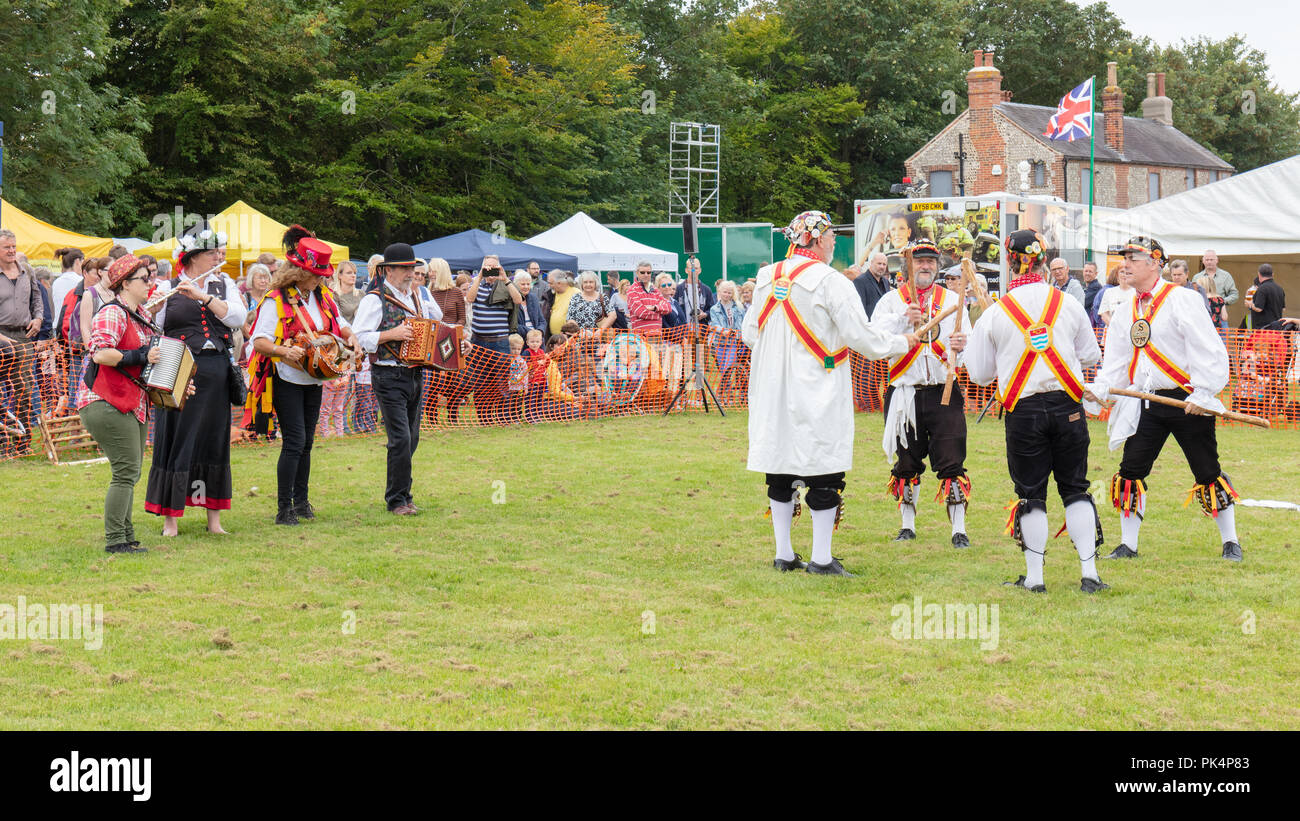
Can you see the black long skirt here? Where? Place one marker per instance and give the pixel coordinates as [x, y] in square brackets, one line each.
[191, 449]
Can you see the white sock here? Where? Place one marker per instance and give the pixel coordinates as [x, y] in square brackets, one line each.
[958, 515]
[1081, 522]
[1227, 521]
[1033, 529]
[823, 529]
[1131, 523]
[782, 516]
[909, 516]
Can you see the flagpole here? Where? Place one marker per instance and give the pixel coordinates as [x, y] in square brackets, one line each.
[1092, 159]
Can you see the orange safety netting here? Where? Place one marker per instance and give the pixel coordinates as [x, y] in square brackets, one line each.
[594, 375]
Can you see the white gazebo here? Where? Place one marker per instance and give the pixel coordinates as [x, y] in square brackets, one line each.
[600, 249]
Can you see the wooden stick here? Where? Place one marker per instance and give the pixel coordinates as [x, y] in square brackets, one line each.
[944, 314]
[1257, 421]
[952, 355]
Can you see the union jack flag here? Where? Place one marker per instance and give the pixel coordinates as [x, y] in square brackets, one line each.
[1073, 117]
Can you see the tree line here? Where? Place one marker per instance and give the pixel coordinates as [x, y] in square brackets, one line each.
[378, 120]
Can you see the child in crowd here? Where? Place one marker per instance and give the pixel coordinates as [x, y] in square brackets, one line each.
[517, 381]
[537, 362]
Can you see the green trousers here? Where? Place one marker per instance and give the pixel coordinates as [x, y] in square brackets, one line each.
[121, 436]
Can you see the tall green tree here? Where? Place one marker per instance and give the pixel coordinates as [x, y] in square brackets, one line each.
[220, 80]
[498, 115]
[70, 139]
[900, 58]
[1223, 98]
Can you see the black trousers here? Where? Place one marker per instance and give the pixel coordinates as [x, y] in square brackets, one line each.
[823, 490]
[940, 434]
[397, 390]
[298, 409]
[1194, 434]
[1047, 435]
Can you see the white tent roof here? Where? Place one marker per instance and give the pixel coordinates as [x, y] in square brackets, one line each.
[131, 243]
[1251, 213]
[600, 249]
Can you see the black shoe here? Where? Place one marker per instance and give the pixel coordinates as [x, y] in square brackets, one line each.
[907, 534]
[783, 565]
[1087, 585]
[960, 540]
[1123, 552]
[125, 547]
[1020, 582]
[286, 516]
[304, 510]
[1232, 551]
[834, 568]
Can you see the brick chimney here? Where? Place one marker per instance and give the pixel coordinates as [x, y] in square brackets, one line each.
[1112, 108]
[984, 91]
[1157, 106]
[983, 82]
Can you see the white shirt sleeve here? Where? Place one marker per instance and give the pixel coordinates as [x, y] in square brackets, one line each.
[1206, 352]
[267, 320]
[1085, 338]
[851, 320]
[981, 356]
[432, 310]
[236, 312]
[365, 322]
[890, 314]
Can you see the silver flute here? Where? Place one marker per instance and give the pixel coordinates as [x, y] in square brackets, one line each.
[159, 300]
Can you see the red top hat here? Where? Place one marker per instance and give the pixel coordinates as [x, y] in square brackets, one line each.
[312, 255]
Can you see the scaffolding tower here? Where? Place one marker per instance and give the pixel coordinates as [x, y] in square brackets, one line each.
[694, 171]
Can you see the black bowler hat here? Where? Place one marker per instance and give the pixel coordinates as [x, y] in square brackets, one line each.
[399, 253]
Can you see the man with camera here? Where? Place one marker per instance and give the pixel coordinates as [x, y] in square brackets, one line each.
[494, 298]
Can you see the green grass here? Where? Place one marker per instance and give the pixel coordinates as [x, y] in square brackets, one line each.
[529, 614]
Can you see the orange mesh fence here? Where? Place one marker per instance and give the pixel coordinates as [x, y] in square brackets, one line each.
[594, 375]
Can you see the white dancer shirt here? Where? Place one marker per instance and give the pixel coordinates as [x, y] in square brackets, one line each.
[800, 413]
[997, 342]
[890, 316]
[1181, 331]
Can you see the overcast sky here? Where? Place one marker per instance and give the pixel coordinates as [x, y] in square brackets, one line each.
[1268, 25]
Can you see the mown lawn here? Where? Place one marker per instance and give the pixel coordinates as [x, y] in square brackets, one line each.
[617, 574]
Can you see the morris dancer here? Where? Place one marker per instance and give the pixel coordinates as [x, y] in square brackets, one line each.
[805, 318]
[913, 399]
[298, 298]
[1163, 342]
[1035, 342]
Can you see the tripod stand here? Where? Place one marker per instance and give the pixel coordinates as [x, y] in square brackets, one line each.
[693, 326]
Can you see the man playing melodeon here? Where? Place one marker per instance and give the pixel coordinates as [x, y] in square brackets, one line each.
[381, 328]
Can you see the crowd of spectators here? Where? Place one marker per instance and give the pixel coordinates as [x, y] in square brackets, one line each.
[544, 340]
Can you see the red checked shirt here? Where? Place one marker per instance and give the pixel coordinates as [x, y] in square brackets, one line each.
[106, 332]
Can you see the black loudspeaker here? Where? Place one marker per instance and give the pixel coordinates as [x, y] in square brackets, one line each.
[690, 234]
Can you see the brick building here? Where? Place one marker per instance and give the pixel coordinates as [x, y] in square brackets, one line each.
[1138, 159]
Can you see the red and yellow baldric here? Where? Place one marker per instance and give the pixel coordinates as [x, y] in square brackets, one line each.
[1038, 343]
[1162, 362]
[937, 297]
[780, 296]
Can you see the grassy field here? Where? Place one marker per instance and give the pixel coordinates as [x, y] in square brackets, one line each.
[620, 577]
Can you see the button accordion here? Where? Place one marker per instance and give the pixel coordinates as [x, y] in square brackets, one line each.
[432, 344]
[166, 380]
